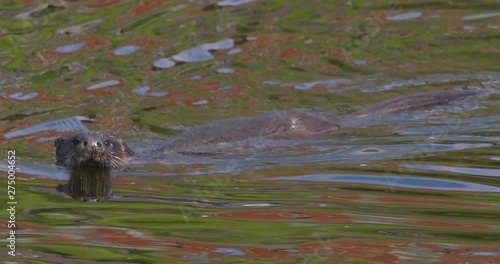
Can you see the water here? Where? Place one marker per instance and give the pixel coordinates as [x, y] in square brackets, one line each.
[417, 187]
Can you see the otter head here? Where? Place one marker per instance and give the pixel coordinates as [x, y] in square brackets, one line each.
[92, 150]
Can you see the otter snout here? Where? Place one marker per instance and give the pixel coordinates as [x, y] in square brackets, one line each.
[93, 144]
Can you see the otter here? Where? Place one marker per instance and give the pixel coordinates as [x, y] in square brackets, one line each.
[101, 150]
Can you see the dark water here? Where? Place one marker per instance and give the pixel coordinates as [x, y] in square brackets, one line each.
[416, 187]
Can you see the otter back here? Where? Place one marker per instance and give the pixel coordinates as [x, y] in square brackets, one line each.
[274, 125]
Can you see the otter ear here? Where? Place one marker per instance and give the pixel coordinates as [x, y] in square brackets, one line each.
[59, 142]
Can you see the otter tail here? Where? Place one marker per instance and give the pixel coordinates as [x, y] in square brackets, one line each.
[416, 101]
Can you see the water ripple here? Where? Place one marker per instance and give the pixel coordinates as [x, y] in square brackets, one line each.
[396, 181]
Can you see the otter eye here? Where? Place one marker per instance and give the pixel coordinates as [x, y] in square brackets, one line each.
[75, 141]
[107, 143]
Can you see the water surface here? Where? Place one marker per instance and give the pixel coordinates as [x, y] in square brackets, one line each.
[415, 187]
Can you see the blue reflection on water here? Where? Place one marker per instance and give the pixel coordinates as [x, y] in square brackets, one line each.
[23, 96]
[480, 16]
[164, 63]
[406, 16]
[229, 251]
[396, 181]
[103, 84]
[126, 50]
[225, 70]
[70, 48]
[202, 52]
[67, 124]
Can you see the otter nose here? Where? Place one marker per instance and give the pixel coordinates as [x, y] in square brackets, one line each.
[92, 144]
